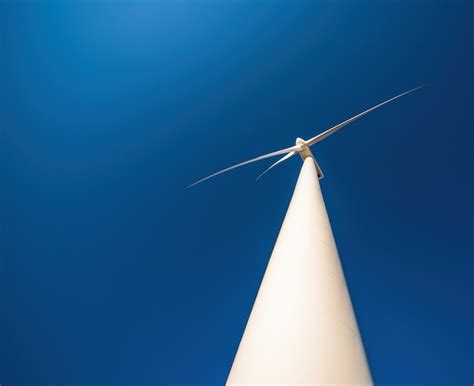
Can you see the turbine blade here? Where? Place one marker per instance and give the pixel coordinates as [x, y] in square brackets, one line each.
[278, 152]
[332, 130]
[284, 158]
[318, 170]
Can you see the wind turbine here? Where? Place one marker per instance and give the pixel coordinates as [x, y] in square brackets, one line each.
[302, 147]
[302, 328]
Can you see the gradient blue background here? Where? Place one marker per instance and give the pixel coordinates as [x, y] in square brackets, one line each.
[113, 273]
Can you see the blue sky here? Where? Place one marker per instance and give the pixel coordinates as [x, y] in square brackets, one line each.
[113, 273]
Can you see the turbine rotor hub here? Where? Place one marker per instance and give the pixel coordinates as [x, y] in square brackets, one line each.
[304, 150]
[300, 141]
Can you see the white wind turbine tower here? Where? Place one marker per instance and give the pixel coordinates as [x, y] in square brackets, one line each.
[302, 328]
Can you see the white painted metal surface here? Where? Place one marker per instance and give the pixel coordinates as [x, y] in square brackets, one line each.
[302, 329]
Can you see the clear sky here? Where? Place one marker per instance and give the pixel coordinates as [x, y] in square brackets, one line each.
[113, 273]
